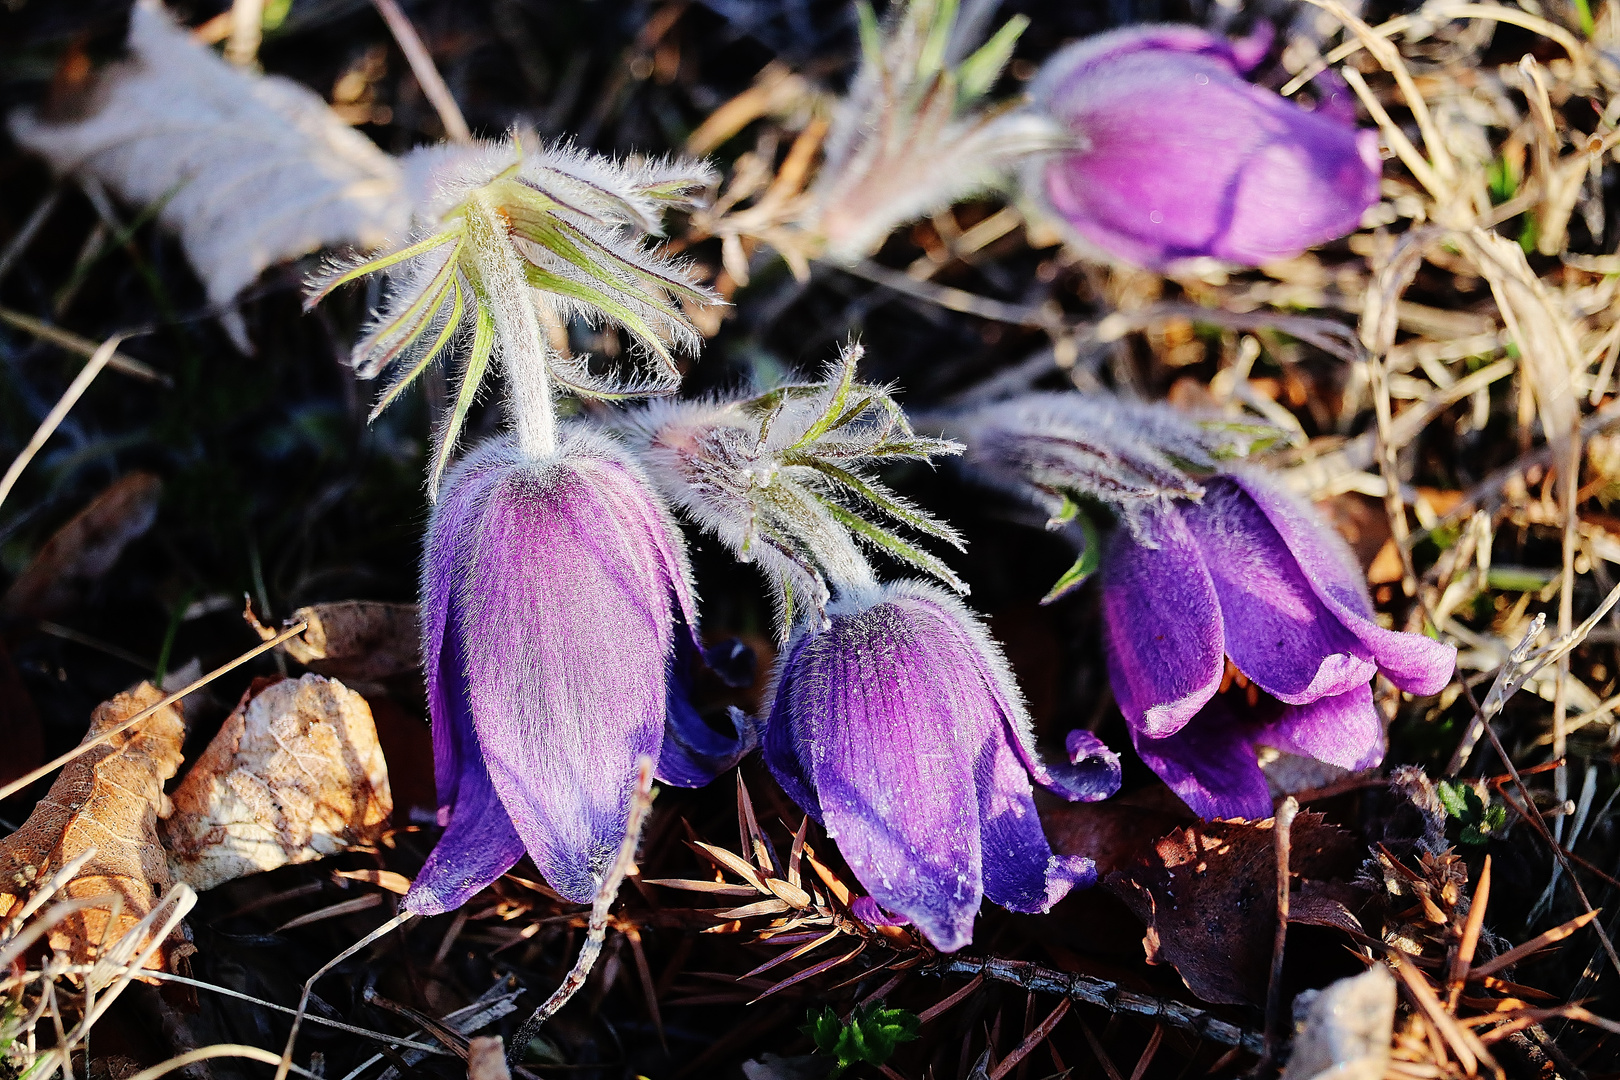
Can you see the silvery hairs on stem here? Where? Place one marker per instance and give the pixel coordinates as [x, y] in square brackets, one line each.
[780, 478]
[913, 133]
[1053, 449]
[509, 234]
[1060, 451]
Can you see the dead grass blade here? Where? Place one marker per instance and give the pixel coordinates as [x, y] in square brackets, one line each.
[70, 397]
[1534, 945]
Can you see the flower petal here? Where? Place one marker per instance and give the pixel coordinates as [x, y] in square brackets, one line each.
[694, 751]
[1278, 632]
[1211, 764]
[1020, 871]
[1166, 650]
[783, 741]
[449, 537]
[567, 605]
[479, 843]
[1413, 662]
[1344, 730]
[1182, 158]
[879, 707]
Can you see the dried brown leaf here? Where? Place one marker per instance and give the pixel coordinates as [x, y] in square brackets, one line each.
[106, 799]
[358, 640]
[79, 553]
[294, 775]
[1208, 896]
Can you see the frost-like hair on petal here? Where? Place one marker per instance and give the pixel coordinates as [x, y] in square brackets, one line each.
[1047, 447]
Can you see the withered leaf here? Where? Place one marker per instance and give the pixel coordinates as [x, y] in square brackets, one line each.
[1208, 894]
[107, 798]
[358, 640]
[79, 553]
[248, 170]
[295, 774]
[1112, 833]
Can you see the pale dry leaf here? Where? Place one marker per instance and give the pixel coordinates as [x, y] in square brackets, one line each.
[486, 1059]
[80, 552]
[250, 170]
[108, 799]
[1346, 1029]
[295, 774]
[359, 640]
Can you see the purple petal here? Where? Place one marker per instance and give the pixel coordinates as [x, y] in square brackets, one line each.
[1182, 158]
[567, 602]
[1211, 764]
[783, 742]
[1278, 632]
[1344, 730]
[1093, 772]
[449, 535]
[479, 843]
[1413, 662]
[695, 751]
[1166, 648]
[1020, 871]
[871, 913]
[877, 706]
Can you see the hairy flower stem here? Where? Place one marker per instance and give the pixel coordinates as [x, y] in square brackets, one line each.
[517, 325]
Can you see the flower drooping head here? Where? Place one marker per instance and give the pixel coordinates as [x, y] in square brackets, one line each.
[900, 729]
[553, 592]
[1181, 158]
[1249, 575]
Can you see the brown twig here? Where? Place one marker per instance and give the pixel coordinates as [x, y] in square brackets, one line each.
[1088, 990]
[1282, 835]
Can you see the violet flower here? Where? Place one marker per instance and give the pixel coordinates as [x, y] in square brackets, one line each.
[551, 593]
[1250, 574]
[1181, 158]
[900, 730]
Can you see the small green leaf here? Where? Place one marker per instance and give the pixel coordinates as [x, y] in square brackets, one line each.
[447, 333]
[870, 1037]
[477, 361]
[980, 71]
[1451, 797]
[1090, 558]
[383, 262]
[891, 543]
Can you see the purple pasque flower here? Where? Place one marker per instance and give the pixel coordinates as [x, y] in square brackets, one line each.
[899, 728]
[553, 591]
[1180, 157]
[1252, 575]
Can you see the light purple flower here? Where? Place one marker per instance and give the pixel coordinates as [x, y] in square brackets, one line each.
[1250, 574]
[900, 730]
[552, 594]
[1180, 157]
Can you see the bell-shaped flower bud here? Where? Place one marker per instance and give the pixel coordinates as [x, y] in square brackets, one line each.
[553, 595]
[900, 730]
[1179, 157]
[1252, 576]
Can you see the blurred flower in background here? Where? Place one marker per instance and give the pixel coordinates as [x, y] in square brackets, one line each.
[1180, 158]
